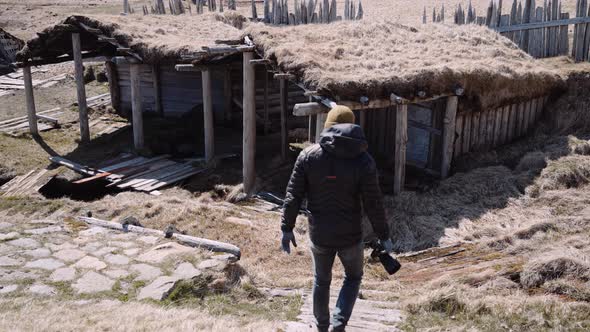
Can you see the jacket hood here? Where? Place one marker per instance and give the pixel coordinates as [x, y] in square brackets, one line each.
[343, 140]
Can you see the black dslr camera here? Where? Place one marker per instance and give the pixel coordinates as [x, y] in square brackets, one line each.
[390, 264]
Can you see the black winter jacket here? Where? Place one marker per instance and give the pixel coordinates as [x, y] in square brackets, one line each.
[335, 175]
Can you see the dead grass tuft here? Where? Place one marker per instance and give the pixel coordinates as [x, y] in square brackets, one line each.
[554, 266]
[567, 172]
[534, 229]
[532, 162]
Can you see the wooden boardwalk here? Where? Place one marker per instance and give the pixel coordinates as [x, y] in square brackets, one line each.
[368, 315]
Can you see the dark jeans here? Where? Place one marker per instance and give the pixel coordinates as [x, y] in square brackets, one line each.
[323, 260]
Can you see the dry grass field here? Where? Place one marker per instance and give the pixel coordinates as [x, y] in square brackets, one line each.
[520, 214]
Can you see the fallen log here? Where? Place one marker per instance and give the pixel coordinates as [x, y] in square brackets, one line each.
[192, 241]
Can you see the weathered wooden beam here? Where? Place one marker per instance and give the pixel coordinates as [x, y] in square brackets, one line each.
[283, 76]
[187, 67]
[30, 101]
[260, 62]
[114, 89]
[307, 109]
[284, 114]
[249, 124]
[208, 116]
[80, 88]
[157, 89]
[449, 123]
[136, 107]
[401, 141]
[545, 24]
[192, 241]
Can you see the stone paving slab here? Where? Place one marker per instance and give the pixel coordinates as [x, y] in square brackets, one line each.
[46, 258]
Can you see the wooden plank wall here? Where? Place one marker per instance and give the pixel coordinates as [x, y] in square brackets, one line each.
[181, 91]
[484, 130]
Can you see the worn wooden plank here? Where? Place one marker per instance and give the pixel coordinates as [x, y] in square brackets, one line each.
[505, 119]
[497, 126]
[527, 117]
[249, 124]
[208, 116]
[136, 107]
[449, 124]
[466, 141]
[474, 141]
[30, 101]
[80, 88]
[490, 130]
[483, 129]
[157, 89]
[458, 139]
[401, 141]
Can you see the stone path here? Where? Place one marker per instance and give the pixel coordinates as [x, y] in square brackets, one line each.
[368, 315]
[57, 258]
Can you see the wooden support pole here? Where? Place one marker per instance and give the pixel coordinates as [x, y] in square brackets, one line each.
[401, 141]
[208, 116]
[320, 120]
[157, 89]
[30, 100]
[136, 107]
[249, 124]
[363, 119]
[114, 89]
[448, 135]
[81, 90]
[284, 114]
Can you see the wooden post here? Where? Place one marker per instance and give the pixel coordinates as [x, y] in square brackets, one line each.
[284, 114]
[320, 120]
[125, 7]
[458, 141]
[249, 124]
[208, 115]
[401, 140]
[228, 93]
[136, 107]
[79, 73]
[30, 100]
[114, 89]
[474, 143]
[363, 119]
[448, 135]
[157, 89]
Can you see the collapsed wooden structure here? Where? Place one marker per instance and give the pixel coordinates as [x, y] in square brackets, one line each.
[421, 119]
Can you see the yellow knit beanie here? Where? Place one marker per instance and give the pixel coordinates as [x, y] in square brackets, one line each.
[339, 114]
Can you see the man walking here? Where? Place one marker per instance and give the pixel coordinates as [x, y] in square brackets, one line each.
[335, 176]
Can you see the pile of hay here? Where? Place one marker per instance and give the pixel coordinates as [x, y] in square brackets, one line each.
[376, 58]
[153, 37]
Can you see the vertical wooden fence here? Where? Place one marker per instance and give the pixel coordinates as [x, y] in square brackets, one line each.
[542, 31]
[487, 129]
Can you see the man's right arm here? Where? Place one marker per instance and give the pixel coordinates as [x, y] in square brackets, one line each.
[295, 194]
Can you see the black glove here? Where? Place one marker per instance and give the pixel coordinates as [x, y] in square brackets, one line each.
[288, 237]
